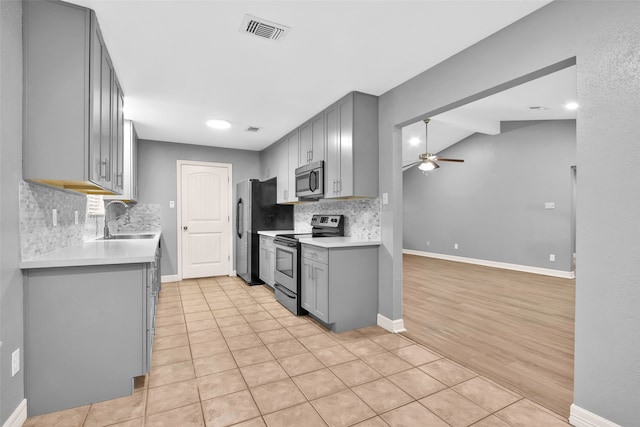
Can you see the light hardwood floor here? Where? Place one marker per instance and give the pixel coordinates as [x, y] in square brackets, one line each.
[515, 328]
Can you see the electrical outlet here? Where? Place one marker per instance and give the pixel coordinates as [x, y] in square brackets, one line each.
[75, 217]
[552, 257]
[15, 362]
[549, 205]
[54, 217]
[172, 204]
[455, 246]
[385, 198]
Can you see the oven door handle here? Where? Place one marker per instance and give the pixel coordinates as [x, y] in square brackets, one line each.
[285, 291]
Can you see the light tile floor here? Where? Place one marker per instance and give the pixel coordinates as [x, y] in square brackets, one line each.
[228, 354]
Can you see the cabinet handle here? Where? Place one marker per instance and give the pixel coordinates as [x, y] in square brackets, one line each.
[286, 194]
[339, 182]
[103, 163]
[185, 228]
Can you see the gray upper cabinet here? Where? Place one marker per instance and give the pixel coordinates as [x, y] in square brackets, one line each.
[269, 162]
[73, 102]
[312, 140]
[282, 147]
[351, 164]
[287, 164]
[129, 166]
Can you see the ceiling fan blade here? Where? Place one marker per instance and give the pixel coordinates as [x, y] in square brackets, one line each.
[410, 165]
[441, 159]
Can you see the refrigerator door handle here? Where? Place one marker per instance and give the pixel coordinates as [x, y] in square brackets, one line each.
[238, 231]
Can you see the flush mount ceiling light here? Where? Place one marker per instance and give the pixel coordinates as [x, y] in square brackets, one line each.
[571, 106]
[218, 124]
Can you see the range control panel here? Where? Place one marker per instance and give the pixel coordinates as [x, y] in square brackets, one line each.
[327, 221]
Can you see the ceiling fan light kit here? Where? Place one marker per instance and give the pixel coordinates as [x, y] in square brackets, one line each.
[427, 160]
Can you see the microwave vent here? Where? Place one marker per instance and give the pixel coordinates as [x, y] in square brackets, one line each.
[262, 28]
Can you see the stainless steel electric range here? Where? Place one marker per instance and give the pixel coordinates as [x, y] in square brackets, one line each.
[287, 273]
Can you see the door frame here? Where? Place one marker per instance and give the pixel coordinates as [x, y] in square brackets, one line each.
[229, 167]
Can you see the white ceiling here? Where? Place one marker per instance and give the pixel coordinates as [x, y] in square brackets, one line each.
[552, 92]
[183, 62]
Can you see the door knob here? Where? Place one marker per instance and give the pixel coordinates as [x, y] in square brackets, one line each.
[185, 228]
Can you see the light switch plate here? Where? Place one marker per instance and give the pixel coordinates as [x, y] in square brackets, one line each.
[385, 198]
[549, 205]
[172, 204]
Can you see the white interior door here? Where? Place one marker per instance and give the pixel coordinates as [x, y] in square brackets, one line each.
[205, 220]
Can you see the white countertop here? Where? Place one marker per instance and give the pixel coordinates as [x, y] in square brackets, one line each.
[337, 242]
[98, 252]
[274, 233]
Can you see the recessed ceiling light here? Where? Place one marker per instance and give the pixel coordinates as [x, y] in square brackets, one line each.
[571, 106]
[414, 141]
[218, 124]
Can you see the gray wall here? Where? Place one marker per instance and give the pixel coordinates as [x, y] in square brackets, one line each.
[11, 319]
[603, 37]
[492, 205]
[157, 183]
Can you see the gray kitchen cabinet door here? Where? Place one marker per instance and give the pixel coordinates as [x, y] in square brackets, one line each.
[312, 140]
[269, 162]
[307, 286]
[293, 141]
[320, 275]
[264, 259]
[351, 167]
[315, 288]
[117, 136]
[106, 112]
[130, 163]
[283, 171]
[68, 106]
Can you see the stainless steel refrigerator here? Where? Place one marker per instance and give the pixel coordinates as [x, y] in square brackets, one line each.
[256, 210]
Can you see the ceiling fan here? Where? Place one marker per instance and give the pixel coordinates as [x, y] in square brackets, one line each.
[427, 160]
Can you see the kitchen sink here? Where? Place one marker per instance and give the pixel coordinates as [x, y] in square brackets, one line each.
[128, 237]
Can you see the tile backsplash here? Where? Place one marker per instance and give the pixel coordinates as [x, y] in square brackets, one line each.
[39, 236]
[140, 219]
[362, 217]
[37, 233]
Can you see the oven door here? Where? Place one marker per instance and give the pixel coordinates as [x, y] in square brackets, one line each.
[286, 273]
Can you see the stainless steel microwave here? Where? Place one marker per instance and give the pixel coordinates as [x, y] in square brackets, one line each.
[310, 181]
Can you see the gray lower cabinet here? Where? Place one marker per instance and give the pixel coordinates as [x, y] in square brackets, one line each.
[88, 332]
[267, 260]
[339, 286]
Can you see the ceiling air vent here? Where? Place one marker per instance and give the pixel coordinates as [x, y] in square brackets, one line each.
[263, 28]
[252, 129]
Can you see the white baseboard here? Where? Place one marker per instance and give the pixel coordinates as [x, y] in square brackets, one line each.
[496, 264]
[169, 278]
[18, 417]
[394, 326]
[233, 273]
[582, 418]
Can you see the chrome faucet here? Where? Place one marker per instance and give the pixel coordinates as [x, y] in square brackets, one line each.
[107, 234]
